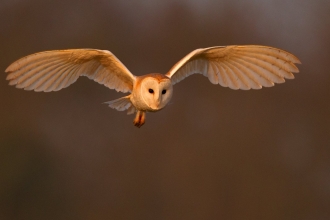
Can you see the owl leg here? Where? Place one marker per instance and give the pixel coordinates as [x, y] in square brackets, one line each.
[139, 119]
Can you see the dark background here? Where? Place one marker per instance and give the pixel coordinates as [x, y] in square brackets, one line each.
[213, 153]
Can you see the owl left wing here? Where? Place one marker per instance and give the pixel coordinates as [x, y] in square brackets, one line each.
[57, 69]
[237, 67]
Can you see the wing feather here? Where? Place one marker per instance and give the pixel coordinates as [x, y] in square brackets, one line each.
[29, 68]
[261, 68]
[23, 74]
[45, 76]
[55, 74]
[232, 81]
[26, 79]
[60, 76]
[284, 64]
[238, 67]
[271, 51]
[247, 69]
[212, 74]
[33, 80]
[217, 72]
[241, 78]
[64, 74]
[222, 75]
[251, 80]
[54, 70]
[69, 79]
[36, 74]
[275, 67]
[122, 104]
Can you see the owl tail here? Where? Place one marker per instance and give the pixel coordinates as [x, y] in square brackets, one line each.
[122, 104]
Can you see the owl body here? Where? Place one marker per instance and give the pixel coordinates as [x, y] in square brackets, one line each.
[237, 67]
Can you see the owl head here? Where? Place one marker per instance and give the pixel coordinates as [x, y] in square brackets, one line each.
[156, 91]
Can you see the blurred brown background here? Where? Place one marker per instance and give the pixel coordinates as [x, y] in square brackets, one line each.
[214, 153]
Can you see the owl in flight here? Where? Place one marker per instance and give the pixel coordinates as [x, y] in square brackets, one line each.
[237, 67]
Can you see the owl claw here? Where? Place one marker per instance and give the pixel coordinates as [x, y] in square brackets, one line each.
[139, 119]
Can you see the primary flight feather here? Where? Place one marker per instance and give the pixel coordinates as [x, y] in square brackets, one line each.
[236, 67]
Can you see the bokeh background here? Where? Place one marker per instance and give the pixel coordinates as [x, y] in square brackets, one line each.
[213, 153]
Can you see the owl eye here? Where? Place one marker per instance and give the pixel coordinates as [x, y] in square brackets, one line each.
[151, 91]
[164, 91]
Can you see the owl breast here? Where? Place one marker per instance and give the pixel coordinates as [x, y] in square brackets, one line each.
[151, 92]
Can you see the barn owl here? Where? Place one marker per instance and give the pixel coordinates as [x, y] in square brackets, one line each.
[237, 67]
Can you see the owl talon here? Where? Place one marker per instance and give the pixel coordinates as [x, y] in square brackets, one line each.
[139, 119]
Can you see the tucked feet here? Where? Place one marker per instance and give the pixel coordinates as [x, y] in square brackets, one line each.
[139, 119]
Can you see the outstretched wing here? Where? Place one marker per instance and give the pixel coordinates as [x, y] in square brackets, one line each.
[54, 70]
[237, 67]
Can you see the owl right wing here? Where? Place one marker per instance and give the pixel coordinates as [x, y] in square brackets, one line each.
[237, 67]
[53, 70]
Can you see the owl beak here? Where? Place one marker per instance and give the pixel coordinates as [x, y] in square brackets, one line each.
[156, 105]
[157, 102]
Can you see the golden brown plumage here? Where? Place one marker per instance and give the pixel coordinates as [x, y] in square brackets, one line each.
[236, 67]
